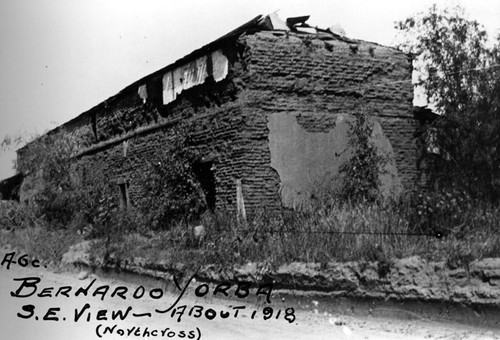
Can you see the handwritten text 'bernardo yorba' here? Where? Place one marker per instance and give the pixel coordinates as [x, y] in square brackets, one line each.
[31, 286]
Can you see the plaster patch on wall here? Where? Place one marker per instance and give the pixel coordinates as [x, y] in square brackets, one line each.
[220, 65]
[168, 88]
[143, 93]
[193, 73]
[184, 77]
[306, 160]
[190, 74]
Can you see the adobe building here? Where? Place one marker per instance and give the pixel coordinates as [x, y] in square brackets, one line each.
[269, 104]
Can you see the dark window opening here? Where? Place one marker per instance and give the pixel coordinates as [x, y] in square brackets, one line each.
[155, 91]
[124, 196]
[205, 175]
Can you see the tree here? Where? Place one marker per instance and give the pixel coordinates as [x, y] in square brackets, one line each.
[458, 69]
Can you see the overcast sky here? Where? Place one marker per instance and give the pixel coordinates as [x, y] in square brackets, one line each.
[59, 58]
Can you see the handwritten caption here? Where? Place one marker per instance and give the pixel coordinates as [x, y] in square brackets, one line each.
[33, 286]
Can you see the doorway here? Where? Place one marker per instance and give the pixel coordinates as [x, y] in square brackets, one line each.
[204, 173]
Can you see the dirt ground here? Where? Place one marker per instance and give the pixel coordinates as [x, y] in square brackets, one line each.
[309, 324]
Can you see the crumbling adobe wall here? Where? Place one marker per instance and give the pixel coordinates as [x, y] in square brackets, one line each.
[316, 80]
[124, 134]
[235, 99]
[133, 129]
[124, 113]
[215, 131]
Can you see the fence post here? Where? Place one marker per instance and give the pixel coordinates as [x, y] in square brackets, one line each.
[240, 204]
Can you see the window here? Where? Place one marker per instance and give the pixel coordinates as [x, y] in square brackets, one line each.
[124, 196]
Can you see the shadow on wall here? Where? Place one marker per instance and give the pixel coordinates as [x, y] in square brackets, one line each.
[306, 159]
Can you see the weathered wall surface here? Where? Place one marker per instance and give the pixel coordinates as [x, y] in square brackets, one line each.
[266, 106]
[127, 132]
[134, 128]
[215, 129]
[316, 81]
[309, 161]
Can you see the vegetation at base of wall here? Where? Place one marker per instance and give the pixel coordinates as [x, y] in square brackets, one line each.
[55, 194]
[371, 231]
[328, 231]
[21, 229]
[173, 192]
[361, 173]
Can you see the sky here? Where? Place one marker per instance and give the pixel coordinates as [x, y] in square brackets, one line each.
[59, 58]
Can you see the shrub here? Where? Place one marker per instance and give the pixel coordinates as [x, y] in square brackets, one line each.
[361, 173]
[16, 216]
[46, 164]
[173, 192]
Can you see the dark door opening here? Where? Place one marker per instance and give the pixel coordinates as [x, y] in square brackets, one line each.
[124, 196]
[205, 175]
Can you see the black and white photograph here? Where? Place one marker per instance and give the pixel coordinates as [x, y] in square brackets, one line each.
[324, 169]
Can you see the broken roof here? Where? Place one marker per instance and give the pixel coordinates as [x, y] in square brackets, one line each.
[271, 22]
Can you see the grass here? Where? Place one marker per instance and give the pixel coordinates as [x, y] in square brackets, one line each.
[380, 231]
[39, 243]
[340, 232]
[20, 229]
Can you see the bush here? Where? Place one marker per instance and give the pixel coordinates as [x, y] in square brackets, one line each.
[173, 192]
[361, 173]
[55, 195]
[16, 216]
